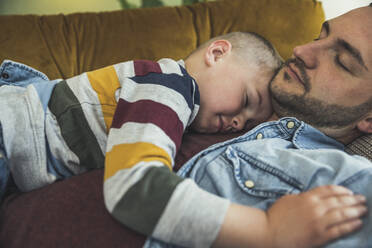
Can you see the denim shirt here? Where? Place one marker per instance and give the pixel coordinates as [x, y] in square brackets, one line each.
[277, 158]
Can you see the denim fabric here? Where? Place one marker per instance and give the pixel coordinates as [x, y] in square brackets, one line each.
[17, 74]
[278, 158]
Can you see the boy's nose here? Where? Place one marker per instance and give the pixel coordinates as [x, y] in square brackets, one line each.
[237, 123]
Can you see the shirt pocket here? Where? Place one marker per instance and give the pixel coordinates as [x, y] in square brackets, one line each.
[260, 179]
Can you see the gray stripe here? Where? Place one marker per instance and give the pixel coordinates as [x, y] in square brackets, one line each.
[74, 127]
[142, 206]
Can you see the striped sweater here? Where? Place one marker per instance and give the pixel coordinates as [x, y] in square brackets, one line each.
[129, 118]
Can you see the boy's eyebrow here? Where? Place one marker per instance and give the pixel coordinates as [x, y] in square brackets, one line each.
[354, 52]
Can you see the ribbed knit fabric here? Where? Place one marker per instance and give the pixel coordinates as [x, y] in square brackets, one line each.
[361, 146]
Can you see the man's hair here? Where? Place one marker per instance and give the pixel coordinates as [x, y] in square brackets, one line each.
[251, 47]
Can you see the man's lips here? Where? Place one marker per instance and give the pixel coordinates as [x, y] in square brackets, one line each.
[293, 74]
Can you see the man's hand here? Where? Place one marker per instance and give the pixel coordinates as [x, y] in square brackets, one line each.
[313, 218]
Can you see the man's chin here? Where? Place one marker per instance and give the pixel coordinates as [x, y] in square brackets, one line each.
[285, 104]
[278, 108]
[277, 75]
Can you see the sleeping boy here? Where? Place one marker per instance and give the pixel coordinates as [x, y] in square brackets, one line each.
[129, 118]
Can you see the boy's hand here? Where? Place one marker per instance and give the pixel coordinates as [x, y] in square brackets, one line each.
[315, 217]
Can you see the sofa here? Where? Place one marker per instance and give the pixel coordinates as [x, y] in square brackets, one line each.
[71, 213]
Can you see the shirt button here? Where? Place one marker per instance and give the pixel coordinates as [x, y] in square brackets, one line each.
[290, 124]
[5, 75]
[259, 136]
[249, 184]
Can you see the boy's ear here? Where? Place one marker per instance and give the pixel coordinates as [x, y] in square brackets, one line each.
[365, 125]
[217, 50]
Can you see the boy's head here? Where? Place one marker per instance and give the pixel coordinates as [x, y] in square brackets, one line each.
[233, 73]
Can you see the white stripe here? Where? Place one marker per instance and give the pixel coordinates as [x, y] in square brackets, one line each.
[193, 114]
[169, 66]
[196, 106]
[192, 217]
[91, 107]
[116, 186]
[132, 132]
[124, 70]
[133, 92]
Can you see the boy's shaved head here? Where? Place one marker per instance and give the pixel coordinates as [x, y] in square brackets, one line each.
[251, 47]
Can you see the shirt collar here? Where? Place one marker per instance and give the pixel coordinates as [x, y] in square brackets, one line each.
[308, 137]
[181, 62]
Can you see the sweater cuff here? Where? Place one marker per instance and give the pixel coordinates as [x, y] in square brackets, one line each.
[193, 217]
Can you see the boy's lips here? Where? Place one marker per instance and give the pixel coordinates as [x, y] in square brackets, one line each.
[220, 127]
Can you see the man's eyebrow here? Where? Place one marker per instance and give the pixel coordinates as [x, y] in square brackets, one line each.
[325, 26]
[353, 51]
[347, 46]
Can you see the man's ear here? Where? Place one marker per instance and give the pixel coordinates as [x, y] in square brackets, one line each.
[365, 125]
[217, 50]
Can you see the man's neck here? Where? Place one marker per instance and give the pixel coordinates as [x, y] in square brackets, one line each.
[344, 136]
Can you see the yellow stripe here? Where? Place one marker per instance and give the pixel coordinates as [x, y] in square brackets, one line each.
[125, 156]
[105, 82]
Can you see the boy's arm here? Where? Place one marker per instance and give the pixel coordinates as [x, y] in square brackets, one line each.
[140, 189]
[310, 219]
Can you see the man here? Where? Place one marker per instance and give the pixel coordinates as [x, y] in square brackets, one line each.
[327, 84]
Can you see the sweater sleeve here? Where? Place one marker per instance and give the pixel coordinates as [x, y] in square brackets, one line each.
[156, 102]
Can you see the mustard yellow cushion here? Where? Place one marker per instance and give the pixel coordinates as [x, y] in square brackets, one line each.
[66, 45]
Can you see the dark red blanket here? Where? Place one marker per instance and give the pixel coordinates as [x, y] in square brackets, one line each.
[71, 213]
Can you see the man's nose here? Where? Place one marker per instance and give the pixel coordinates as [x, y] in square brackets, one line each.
[308, 54]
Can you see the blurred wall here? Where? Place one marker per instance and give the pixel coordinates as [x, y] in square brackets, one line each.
[333, 8]
[56, 6]
[44, 7]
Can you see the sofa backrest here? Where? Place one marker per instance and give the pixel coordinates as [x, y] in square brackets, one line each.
[65, 45]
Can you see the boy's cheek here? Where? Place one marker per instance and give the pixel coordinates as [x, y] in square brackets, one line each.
[195, 125]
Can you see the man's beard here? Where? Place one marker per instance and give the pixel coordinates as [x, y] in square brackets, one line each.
[311, 110]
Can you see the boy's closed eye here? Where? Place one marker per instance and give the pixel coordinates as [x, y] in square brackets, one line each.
[246, 105]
